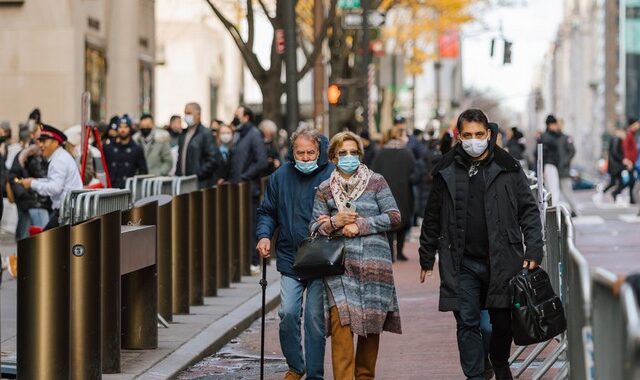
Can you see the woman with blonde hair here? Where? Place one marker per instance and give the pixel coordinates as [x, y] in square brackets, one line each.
[356, 203]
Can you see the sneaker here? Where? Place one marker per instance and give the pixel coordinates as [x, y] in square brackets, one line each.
[255, 269]
[402, 257]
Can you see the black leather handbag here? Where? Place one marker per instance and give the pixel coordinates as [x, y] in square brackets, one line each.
[320, 256]
[537, 314]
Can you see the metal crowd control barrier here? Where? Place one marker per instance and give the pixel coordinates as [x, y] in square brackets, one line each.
[180, 254]
[111, 297]
[196, 296]
[631, 315]
[209, 250]
[184, 185]
[81, 205]
[135, 185]
[233, 233]
[609, 339]
[168, 185]
[43, 309]
[223, 264]
[85, 297]
[139, 283]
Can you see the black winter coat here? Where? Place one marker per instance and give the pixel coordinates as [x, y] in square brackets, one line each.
[398, 168]
[125, 161]
[249, 157]
[566, 152]
[35, 166]
[203, 157]
[616, 155]
[511, 212]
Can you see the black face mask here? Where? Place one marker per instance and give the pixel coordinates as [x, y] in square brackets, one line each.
[235, 122]
[3, 139]
[145, 131]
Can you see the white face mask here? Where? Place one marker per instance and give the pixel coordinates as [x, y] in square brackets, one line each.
[225, 138]
[189, 120]
[475, 147]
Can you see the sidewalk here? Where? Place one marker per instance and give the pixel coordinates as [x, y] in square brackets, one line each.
[188, 339]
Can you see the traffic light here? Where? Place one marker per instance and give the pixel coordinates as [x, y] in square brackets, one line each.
[507, 52]
[337, 95]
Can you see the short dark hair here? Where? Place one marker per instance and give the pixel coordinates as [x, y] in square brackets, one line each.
[146, 116]
[551, 120]
[472, 115]
[174, 117]
[246, 111]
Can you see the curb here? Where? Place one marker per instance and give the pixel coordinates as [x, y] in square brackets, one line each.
[215, 336]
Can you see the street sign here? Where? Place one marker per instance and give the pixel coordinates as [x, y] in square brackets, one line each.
[353, 20]
[349, 4]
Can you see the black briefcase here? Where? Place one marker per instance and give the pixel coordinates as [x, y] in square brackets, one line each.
[320, 256]
[537, 314]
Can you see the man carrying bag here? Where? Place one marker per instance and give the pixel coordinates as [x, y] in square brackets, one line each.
[478, 211]
[288, 204]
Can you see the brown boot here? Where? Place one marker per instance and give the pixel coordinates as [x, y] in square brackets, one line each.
[293, 375]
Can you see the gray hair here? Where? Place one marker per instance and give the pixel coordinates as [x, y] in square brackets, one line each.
[269, 126]
[195, 106]
[308, 132]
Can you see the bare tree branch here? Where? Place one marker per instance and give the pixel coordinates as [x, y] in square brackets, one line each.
[250, 59]
[303, 46]
[250, 21]
[266, 12]
[317, 45]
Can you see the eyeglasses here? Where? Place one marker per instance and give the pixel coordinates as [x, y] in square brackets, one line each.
[344, 153]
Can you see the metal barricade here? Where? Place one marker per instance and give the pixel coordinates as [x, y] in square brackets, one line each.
[157, 186]
[184, 185]
[81, 205]
[135, 185]
[631, 315]
[68, 205]
[578, 308]
[609, 329]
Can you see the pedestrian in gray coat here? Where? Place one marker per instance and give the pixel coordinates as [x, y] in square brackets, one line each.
[156, 145]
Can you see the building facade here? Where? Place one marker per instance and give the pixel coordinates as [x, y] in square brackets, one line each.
[53, 51]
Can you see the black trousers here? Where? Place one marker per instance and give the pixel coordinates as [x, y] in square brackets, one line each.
[474, 281]
[630, 185]
[54, 215]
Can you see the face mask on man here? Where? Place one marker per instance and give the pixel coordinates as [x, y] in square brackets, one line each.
[348, 164]
[475, 147]
[306, 167]
[235, 122]
[189, 120]
[145, 132]
[225, 138]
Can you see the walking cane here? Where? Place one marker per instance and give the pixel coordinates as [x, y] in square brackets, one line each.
[263, 283]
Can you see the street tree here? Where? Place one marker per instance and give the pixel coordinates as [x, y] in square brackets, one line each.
[269, 78]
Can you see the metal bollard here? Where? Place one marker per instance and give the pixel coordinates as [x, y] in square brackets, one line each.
[164, 257]
[85, 351]
[139, 326]
[180, 254]
[209, 262]
[233, 233]
[223, 270]
[110, 277]
[244, 249]
[195, 249]
[43, 305]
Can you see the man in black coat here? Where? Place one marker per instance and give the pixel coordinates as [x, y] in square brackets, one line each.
[478, 210]
[124, 157]
[197, 152]
[248, 164]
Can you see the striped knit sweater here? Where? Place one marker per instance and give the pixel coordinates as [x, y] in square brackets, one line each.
[365, 294]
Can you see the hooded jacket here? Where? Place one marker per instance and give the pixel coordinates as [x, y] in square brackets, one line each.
[288, 205]
[512, 222]
[157, 151]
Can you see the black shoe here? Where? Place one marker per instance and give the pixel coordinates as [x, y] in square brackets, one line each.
[488, 370]
[573, 214]
[402, 257]
[615, 196]
[503, 373]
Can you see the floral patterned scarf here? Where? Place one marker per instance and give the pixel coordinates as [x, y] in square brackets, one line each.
[349, 189]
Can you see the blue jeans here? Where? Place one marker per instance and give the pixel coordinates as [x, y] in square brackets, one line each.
[314, 325]
[39, 217]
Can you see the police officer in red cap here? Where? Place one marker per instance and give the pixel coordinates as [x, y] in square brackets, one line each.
[62, 175]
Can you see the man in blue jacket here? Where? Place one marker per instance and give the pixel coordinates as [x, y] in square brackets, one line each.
[288, 204]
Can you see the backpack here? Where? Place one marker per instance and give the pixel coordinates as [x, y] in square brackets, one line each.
[537, 314]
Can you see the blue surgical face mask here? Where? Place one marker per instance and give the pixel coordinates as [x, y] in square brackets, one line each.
[306, 167]
[348, 164]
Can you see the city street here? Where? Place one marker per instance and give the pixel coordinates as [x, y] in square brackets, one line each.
[606, 235]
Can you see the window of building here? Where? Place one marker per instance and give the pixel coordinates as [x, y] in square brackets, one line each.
[95, 81]
[146, 87]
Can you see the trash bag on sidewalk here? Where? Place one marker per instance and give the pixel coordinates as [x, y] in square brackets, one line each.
[537, 314]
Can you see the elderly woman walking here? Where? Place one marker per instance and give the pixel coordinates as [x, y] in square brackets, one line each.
[357, 203]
